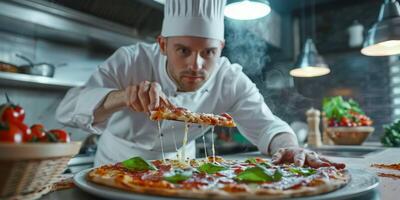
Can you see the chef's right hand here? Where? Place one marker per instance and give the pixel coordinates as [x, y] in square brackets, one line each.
[301, 157]
[146, 96]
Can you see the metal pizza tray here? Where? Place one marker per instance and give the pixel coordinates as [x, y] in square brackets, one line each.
[361, 182]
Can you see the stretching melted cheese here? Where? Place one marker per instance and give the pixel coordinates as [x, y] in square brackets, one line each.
[204, 142]
[181, 155]
[212, 143]
[161, 141]
[184, 142]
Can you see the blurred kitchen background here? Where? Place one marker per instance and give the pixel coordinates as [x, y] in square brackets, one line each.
[76, 36]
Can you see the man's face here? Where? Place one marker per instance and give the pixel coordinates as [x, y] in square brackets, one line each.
[190, 60]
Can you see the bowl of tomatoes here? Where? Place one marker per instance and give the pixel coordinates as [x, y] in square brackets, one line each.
[345, 122]
[31, 157]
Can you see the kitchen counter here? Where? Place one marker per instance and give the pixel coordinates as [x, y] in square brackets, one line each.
[387, 189]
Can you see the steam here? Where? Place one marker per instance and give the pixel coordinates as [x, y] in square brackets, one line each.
[249, 49]
[245, 48]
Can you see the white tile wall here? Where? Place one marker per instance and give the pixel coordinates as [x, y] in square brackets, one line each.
[395, 85]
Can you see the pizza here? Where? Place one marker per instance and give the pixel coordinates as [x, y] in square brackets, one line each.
[183, 114]
[214, 177]
[218, 178]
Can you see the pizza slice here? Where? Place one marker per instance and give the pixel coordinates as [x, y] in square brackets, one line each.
[183, 114]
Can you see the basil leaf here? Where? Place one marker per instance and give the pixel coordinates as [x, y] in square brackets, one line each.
[177, 175]
[137, 164]
[211, 168]
[303, 171]
[277, 175]
[258, 174]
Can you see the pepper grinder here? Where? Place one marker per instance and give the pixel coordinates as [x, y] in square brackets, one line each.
[314, 135]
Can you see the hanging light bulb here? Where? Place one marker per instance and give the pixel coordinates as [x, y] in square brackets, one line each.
[310, 63]
[383, 38]
[247, 9]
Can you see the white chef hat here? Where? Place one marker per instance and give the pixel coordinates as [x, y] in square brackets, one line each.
[200, 18]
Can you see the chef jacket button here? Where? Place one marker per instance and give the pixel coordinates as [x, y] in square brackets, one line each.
[175, 95]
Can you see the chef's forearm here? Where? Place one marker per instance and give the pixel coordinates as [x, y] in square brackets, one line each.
[114, 101]
[282, 140]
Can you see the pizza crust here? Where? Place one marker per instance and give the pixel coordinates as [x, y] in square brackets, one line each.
[124, 182]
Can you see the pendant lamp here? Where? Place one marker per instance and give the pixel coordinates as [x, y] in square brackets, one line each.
[247, 9]
[383, 38]
[309, 63]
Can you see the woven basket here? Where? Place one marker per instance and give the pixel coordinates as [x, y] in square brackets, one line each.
[30, 168]
[349, 135]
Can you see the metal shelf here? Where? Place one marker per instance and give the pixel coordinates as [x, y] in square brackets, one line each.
[49, 21]
[31, 81]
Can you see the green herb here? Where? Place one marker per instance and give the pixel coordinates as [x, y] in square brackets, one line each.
[265, 164]
[303, 171]
[337, 107]
[258, 174]
[211, 168]
[277, 175]
[177, 175]
[137, 164]
[251, 161]
[391, 136]
[355, 107]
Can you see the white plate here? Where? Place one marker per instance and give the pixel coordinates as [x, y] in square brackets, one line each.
[361, 182]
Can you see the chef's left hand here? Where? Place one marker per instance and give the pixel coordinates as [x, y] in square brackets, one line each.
[300, 157]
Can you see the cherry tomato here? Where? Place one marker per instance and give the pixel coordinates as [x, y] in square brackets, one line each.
[11, 113]
[8, 114]
[39, 133]
[9, 132]
[366, 122]
[21, 113]
[61, 135]
[27, 135]
[344, 121]
[332, 122]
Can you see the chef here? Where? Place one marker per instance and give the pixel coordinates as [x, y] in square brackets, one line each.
[184, 68]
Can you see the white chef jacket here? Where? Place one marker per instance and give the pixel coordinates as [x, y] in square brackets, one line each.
[126, 133]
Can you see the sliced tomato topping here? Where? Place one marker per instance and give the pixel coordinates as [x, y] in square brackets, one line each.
[227, 116]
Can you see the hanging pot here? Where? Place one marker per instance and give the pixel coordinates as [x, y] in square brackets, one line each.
[39, 69]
